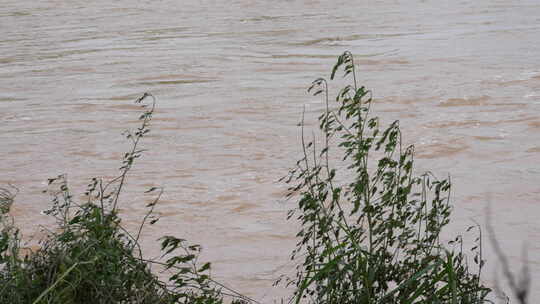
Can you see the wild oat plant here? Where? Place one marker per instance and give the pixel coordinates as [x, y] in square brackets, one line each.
[370, 232]
[90, 258]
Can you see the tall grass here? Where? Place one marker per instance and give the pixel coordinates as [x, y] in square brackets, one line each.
[370, 228]
[374, 236]
[91, 258]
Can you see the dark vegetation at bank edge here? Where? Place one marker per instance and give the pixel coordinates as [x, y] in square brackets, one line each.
[91, 258]
[369, 230]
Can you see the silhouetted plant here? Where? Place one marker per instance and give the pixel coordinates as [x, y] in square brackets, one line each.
[370, 232]
[519, 282]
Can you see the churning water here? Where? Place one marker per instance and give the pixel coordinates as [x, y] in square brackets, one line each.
[230, 77]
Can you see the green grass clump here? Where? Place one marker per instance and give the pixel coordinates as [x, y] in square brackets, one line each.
[91, 258]
[370, 231]
[370, 228]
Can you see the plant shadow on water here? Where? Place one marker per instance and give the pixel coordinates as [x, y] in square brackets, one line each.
[374, 238]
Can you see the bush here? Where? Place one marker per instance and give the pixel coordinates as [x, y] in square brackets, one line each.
[370, 233]
[375, 237]
[91, 258]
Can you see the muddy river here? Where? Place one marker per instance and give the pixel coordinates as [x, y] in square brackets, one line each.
[230, 78]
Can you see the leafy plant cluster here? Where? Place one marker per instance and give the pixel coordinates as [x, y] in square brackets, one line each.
[91, 258]
[370, 231]
[375, 237]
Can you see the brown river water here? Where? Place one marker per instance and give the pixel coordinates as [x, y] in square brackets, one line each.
[230, 78]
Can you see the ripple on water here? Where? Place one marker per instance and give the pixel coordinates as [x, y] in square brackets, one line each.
[230, 79]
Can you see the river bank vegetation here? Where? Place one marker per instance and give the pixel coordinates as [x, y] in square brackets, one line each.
[369, 227]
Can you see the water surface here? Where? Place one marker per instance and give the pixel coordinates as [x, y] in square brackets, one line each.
[230, 78]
